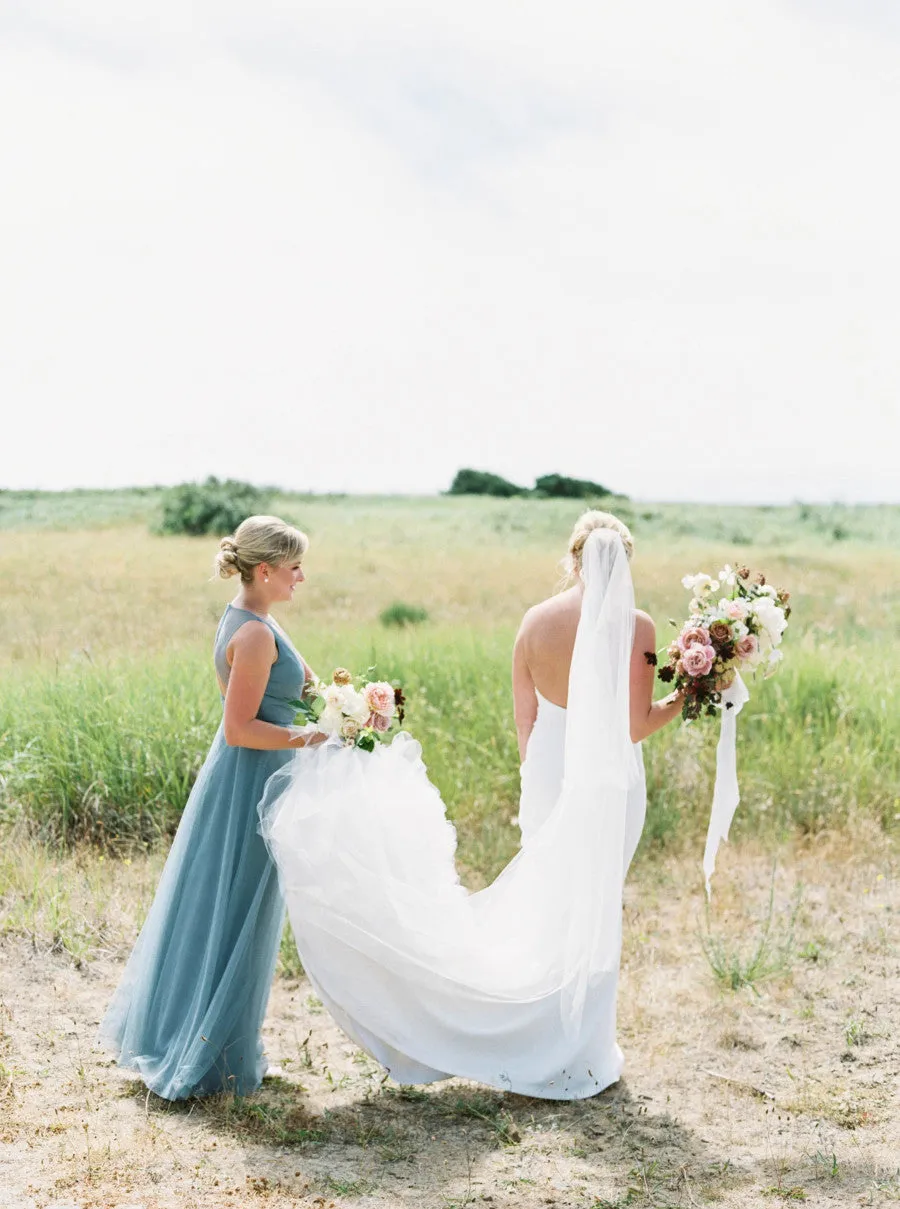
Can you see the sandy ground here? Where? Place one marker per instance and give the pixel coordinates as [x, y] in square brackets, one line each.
[780, 1094]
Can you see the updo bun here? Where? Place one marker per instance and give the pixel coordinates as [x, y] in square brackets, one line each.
[585, 525]
[227, 559]
[259, 539]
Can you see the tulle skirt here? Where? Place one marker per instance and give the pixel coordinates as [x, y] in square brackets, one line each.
[514, 986]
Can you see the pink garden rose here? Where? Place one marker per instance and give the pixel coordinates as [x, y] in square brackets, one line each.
[380, 722]
[380, 699]
[746, 647]
[735, 610]
[698, 659]
[691, 635]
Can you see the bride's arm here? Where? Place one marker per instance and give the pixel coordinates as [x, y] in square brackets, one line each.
[524, 698]
[253, 653]
[647, 715]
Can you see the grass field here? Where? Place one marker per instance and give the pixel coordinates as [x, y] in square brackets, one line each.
[107, 701]
[779, 1090]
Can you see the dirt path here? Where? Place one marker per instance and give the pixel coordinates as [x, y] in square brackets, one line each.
[782, 1094]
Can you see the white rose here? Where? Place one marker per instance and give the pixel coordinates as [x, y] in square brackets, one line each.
[771, 618]
[355, 705]
[330, 720]
[334, 697]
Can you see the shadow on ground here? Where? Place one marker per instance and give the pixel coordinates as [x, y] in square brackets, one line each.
[628, 1150]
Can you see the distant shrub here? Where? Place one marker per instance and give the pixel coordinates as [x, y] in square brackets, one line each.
[482, 482]
[561, 485]
[401, 614]
[214, 507]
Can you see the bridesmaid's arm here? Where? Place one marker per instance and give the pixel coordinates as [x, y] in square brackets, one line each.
[647, 715]
[524, 697]
[253, 653]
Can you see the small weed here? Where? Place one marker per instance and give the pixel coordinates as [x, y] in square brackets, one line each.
[826, 1165]
[811, 951]
[346, 1187]
[888, 1185]
[855, 1032]
[769, 956]
[796, 1193]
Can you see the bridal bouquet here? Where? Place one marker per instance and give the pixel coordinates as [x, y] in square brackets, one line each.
[358, 711]
[736, 624]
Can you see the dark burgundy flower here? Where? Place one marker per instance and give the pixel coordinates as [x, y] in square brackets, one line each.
[399, 702]
[666, 674]
[650, 656]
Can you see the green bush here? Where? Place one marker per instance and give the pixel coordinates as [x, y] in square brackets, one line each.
[482, 482]
[401, 614]
[574, 489]
[214, 507]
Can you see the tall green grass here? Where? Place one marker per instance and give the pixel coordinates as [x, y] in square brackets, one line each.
[109, 754]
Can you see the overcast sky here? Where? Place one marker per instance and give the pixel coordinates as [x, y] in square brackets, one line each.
[352, 246]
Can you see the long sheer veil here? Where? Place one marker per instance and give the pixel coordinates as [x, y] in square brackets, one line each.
[514, 985]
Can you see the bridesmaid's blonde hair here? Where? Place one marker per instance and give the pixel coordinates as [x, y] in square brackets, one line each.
[259, 539]
[584, 526]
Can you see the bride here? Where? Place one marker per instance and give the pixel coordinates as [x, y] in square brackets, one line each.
[513, 986]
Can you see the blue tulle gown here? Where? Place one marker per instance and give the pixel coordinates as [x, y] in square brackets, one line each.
[188, 1012]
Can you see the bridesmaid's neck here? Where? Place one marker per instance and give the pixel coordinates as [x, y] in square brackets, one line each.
[252, 602]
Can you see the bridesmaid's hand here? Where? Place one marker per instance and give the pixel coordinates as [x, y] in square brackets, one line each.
[304, 736]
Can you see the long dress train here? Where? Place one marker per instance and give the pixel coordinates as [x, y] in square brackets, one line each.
[188, 1011]
[513, 986]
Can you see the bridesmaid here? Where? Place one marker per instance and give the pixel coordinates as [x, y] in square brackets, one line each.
[189, 1009]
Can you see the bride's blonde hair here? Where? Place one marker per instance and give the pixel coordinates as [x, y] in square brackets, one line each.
[259, 539]
[584, 526]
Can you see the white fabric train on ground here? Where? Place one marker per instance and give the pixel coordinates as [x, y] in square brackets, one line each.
[515, 985]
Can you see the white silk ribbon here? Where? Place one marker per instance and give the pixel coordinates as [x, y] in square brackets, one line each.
[726, 794]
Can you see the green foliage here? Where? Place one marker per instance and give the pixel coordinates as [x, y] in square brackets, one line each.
[214, 507]
[482, 482]
[106, 757]
[560, 485]
[401, 614]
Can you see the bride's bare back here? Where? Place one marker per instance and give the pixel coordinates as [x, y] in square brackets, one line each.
[542, 658]
[547, 640]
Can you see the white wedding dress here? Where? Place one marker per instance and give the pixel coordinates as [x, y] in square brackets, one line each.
[513, 986]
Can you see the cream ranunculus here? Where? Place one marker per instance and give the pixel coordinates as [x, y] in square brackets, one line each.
[350, 729]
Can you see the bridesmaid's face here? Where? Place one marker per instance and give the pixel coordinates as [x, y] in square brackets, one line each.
[283, 580]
